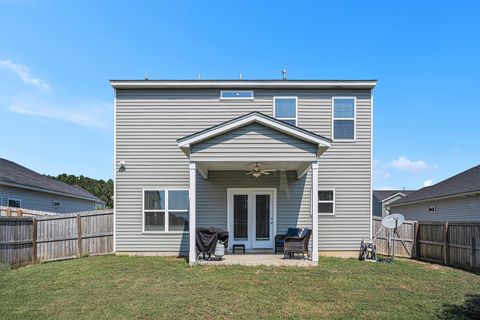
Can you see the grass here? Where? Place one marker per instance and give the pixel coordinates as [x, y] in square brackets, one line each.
[112, 287]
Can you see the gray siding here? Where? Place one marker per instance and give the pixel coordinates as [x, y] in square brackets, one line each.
[44, 201]
[148, 123]
[252, 141]
[293, 197]
[453, 209]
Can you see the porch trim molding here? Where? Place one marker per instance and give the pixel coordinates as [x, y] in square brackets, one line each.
[257, 117]
[315, 211]
[192, 195]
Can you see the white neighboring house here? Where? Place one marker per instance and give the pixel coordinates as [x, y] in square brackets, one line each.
[21, 187]
[454, 199]
[185, 151]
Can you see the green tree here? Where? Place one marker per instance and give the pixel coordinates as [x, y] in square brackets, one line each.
[100, 188]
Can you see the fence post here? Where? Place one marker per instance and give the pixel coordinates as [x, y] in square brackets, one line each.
[445, 244]
[473, 247]
[19, 213]
[79, 236]
[34, 240]
[415, 240]
[8, 212]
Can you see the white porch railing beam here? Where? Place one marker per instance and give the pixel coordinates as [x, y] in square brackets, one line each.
[193, 212]
[315, 211]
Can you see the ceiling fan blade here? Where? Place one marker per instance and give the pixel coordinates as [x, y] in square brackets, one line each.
[264, 172]
[250, 172]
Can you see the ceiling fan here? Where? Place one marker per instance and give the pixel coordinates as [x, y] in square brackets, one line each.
[257, 172]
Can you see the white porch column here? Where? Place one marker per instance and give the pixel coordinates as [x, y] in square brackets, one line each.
[193, 212]
[315, 211]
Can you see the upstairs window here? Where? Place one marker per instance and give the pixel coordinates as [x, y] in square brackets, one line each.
[165, 210]
[326, 202]
[236, 95]
[344, 118]
[285, 109]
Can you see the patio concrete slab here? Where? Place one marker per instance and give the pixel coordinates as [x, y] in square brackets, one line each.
[259, 259]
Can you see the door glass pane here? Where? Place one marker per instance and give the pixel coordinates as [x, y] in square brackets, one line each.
[262, 223]
[240, 217]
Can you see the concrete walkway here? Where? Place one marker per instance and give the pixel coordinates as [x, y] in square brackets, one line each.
[257, 259]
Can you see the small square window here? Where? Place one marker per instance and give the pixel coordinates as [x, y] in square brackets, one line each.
[14, 203]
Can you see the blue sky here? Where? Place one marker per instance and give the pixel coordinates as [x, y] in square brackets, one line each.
[56, 59]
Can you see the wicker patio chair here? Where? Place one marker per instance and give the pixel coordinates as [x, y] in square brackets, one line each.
[297, 244]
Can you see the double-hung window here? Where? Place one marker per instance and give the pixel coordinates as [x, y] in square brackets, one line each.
[165, 210]
[344, 118]
[285, 109]
[326, 202]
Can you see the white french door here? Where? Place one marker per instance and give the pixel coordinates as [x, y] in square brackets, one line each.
[251, 217]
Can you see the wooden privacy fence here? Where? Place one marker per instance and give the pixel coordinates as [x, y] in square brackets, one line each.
[450, 243]
[404, 244]
[33, 239]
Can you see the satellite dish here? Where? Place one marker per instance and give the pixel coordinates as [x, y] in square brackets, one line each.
[393, 221]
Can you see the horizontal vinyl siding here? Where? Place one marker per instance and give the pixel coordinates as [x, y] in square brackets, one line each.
[148, 123]
[293, 197]
[454, 209]
[253, 141]
[44, 201]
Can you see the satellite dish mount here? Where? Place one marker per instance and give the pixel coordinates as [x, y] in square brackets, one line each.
[392, 222]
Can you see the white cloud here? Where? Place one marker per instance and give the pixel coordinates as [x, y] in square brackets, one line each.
[404, 164]
[379, 170]
[91, 113]
[24, 73]
[428, 183]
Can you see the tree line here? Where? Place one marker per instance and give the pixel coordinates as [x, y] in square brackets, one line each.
[100, 188]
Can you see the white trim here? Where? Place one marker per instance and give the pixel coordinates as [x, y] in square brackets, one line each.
[192, 223]
[14, 199]
[115, 171]
[328, 201]
[166, 211]
[247, 120]
[250, 243]
[316, 84]
[393, 196]
[371, 163]
[275, 98]
[237, 98]
[314, 207]
[21, 186]
[354, 118]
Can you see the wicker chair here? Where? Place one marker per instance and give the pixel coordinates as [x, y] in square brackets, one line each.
[297, 244]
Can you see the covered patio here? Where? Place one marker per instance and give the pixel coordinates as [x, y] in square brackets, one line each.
[227, 189]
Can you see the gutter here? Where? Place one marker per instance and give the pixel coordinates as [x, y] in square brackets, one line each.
[458, 195]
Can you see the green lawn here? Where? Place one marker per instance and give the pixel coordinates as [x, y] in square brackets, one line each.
[154, 287]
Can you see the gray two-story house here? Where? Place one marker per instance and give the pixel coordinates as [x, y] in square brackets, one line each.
[253, 157]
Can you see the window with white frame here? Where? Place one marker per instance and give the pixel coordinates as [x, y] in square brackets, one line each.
[165, 210]
[236, 95]
[285, 109]
[14, 203]
[344, 118]
[326, 202]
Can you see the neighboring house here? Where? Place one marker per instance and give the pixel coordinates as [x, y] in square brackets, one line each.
[456, 198]
[382, 198]
[23, 188]
[185, 151]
